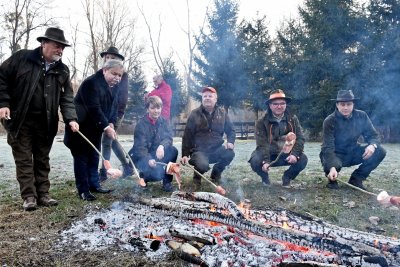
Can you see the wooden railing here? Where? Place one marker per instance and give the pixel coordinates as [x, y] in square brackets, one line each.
[244, 129]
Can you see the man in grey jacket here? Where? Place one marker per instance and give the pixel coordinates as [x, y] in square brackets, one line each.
[33, 85]
[340, 147]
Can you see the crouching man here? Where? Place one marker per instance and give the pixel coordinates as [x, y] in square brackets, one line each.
[153, 145]
[340, 147]
[271, 133]
[203, 138]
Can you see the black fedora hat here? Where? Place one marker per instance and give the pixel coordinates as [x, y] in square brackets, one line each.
[54, 34]
[345, 96]
[112, 50]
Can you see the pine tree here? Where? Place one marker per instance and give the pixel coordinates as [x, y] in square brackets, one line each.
[219, 63]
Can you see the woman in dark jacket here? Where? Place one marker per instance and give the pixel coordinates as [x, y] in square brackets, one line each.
[96, 108]
[152, 144]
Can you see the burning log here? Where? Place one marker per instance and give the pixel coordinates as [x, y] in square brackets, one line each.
[186, 252]
[192, 235]
[220, 201]
[144, 243]
[344, 243]
[308, 264]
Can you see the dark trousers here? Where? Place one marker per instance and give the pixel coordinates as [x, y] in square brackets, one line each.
[157, 173]
[108, 144]
[31, 151]
[221, 157]
[85, 170]
[355, 158]
[257, 158]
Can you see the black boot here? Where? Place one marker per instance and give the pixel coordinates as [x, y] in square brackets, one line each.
[215, 176]
[357, 182]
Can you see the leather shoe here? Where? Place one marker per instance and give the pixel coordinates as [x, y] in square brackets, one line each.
[357, 182]
[87, 196]
[47, 201]
[30, 204]
[100, 190]
[333, 185]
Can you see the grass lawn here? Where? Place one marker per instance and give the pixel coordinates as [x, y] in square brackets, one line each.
[29, 238]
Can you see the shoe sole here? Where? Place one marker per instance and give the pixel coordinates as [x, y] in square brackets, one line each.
[48, 204]
[30, 208]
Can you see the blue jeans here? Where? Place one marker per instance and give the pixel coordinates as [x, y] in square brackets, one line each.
[85, 170]
[158, 173]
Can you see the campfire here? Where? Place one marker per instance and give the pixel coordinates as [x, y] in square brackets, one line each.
[208, 229]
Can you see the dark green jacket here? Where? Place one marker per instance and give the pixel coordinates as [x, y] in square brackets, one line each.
[341, 135]
[270, 135]
[19, 77]
[206, 134]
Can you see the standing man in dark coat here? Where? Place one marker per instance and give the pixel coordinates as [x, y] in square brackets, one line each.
[97, 114]
[152, 144]
[122, 98]
[271, 133]
[33, 85]
[203, 138]
[340, 147]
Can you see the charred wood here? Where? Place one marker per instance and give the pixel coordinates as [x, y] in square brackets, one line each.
[191, 235]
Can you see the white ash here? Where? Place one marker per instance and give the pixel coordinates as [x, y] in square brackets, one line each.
[124, 221]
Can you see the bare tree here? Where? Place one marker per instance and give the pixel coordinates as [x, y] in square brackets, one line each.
[155, 45]
[21, 18]
[73, 62]
[89, 7]
[111, 24]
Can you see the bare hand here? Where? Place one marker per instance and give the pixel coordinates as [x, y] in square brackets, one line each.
[229, 146]
[185, 160]
[333, 174]
[74, 126]
[5, 113]
[369, 150]
[265, 167]
[291, 159]
[160, 152]
[152, 163]
[110, 132]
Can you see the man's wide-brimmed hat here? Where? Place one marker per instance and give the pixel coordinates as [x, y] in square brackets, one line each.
[277, 94]
[345, 96]
[113, 51]
[54, 34]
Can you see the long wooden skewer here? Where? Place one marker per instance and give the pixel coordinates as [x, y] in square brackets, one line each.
[90, 143]
[357, 188]
[218, 188]
[142, 182]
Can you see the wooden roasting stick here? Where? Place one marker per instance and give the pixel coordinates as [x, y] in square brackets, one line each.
[141, 181]
[357, 188]
[114, 173]
[218, 188]
[290, 140]
[382, 197]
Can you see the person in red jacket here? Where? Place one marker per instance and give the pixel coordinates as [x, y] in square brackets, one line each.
[162, 90]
